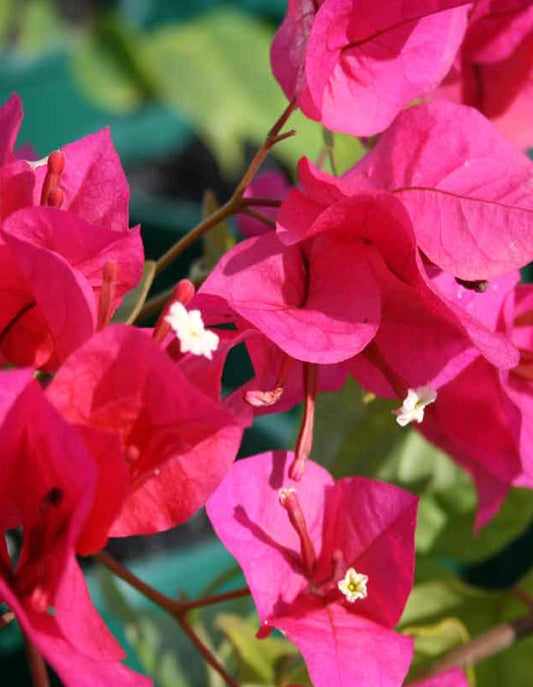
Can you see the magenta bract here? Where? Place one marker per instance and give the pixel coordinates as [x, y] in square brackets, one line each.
[42, 320]
[494, 68]
[46, 486]
[483, 418]
[451, 678]
[175, 444]
[355, 523]
[353, 65]
[292, 295]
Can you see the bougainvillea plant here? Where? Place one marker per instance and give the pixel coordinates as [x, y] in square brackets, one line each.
[401, 274]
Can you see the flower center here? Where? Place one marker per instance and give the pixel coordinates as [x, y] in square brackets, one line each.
[189, 328]
[414, 404]
[353, 585]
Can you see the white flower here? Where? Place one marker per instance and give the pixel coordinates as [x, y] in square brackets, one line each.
[353, 585]
[412, 409]
[189, 328]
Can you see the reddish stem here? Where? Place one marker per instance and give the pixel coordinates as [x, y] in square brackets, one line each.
[304, 442]
[261, 202]
[39, 674]
[289, 500]
[107, 294]
[207, 653]
[236, 202]
[258, 216]
[177, 609]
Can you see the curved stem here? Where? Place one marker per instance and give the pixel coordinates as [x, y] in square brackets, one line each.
[258, 216]
[154, 305]
[236, 202]
[489, 643]
[228, 209]
[207, 653]
[39, 674]
[119, 570]
[261, 202]
[177, 609]
[214, 599]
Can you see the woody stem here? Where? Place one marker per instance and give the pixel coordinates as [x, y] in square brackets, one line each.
[39, 674]
[485, 645]
[177, 609]
[259, 216]
[236, 202]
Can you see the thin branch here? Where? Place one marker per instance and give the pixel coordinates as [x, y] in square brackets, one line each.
[119, 570]
[177, 609]
[236, 202]
[214, 599]
[258, 216]
[261, 202]
[207, 653]
[523, 596]
[225, 211]
[154, 305]
[39, 674]
[484, 646]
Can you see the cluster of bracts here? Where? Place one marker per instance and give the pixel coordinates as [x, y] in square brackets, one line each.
[402, 272]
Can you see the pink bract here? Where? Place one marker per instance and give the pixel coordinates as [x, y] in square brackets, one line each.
[175, 444]
[42, 320]
[451, 678]
[272, 185]
[468, 197]
[93, 182]
[483, 418]
[10, 121]
[294, 298]
[357, 523]
[354, 65]
[427, 334]
[494, 68]
[46, 487]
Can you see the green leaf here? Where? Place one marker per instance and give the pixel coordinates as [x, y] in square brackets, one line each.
[8, 13]
[479, 611]
[223, 653]
[458, 539]
[133, 301]
[346, 151]
[107, 67]
[435, 640]
[162, 665]
[351, 436]
[40, 28]
[218, 240]
[215, 72]
[260, 656]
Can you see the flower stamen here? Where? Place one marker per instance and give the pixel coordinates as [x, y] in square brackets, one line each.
[353, 585]
[412, 409]
[189, 328]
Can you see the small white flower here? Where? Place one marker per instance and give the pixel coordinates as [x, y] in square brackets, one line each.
[189, 328]
[353, 585]
[412, 409]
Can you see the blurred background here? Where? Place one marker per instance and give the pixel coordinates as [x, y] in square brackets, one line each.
[186, 88]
